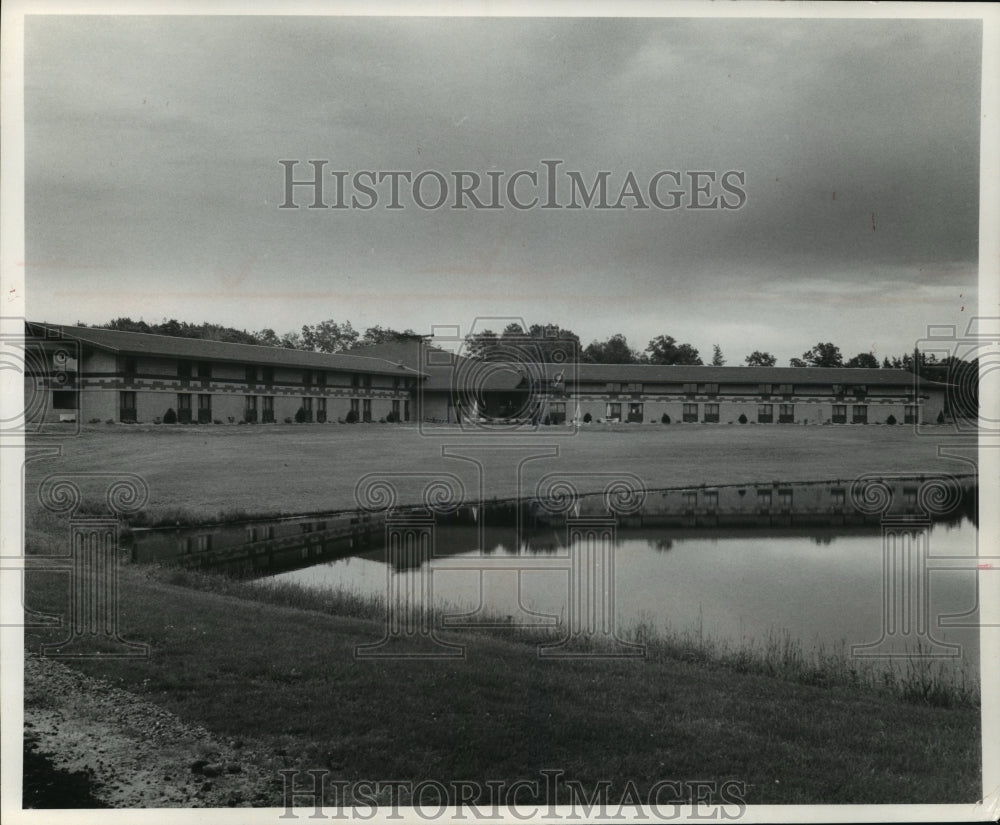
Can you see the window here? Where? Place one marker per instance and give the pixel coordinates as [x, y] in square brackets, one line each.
[838, 390]
[711, 390]
[355, 406]
[785, 499]
[910, 414]
[320, 378]
[204, 369]
[126, 404]
[183, 369]
[786, 413]
[307, 409]
[785, 390]
[406, 409]
[859, 414]
[129, 368]
[251, 375]
[395, 382]
[690, 499]
[690, 390]
[635, 388]
[307, 378]
[712, 499]
[64, 400]
[395, 409]
[910, 497]
[711, 413]
[355, 381]
[765, 413]
[764, 390]
[839, 496]
[614, 412]
[763, 499]
[184, 408]
[250, 410]
[366, 410]
[839, 414]
[860, 391]
[267, 373]
[634, 413]
[267, 410]
[321, 410]
[202, 543]
[366, 381]
[205, 409]
[690, 412]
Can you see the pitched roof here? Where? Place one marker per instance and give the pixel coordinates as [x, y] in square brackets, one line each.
[142, 343]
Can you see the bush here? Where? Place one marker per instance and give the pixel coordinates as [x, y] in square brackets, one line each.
[110, 421]
[95, 420]
[288, 419]
[587, 418]
[940, 418]
[352, 417]
[391, 417]
[300, 416]
[664, 419]
[216, 421]
[742, 419]
[891, 419]
[170, 416]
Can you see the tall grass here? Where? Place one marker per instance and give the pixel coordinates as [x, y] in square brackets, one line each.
[918, 679]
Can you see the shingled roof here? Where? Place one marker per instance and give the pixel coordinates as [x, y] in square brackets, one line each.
[142, 343]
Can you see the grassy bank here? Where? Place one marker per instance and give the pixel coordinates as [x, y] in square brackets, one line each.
[288, 677]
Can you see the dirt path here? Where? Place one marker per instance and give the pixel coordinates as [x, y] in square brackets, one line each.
[134, 753]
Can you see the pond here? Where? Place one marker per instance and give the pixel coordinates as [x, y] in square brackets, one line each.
[822, 586]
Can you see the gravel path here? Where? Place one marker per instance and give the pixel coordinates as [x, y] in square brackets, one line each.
[135, 754]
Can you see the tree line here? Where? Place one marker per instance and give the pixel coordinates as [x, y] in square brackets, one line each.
[548, 343]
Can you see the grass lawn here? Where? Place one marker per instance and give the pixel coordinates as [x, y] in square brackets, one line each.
[301, 468]
[288, 679]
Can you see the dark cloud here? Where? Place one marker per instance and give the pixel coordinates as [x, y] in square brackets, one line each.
[152, 149]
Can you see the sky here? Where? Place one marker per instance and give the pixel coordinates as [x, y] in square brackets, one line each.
[153, 181]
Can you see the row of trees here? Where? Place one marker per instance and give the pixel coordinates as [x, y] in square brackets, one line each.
[546, 342]
[326, 336]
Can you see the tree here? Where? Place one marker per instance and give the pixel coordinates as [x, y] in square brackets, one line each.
[863, 360]
[613, 351]
[267, 337]
[760, 359]
[823, 355]
[665, 350]
[717, 359]
[540, 342]
[797, 362]
[328, 336]
[380, 335]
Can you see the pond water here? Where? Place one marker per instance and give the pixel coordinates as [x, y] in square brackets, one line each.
[821, 586]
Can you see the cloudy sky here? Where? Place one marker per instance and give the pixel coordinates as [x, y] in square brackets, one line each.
[153, 182]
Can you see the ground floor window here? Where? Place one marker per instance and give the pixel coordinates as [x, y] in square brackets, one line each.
[765, 413]
[126, 406]
[690, 412]
[64, 400]
[267, 409]
[785, 499]
[406, 410]
[306, 410]
[634, 413]
[786, 413]
[205, 408]
[184, 408]
[366, 410]
[859, 414]
[763, 499]
[711, 414]
[395, 411]
[839, 413]
[321, 410]
[910, 415]
[614, 412]
[250, 410]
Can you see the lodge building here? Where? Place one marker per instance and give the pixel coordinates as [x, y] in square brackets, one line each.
[88, 375]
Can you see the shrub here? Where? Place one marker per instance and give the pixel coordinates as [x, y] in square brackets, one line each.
[743, 418]
[891, 419]
[300, 416]
[288, 419]
[352, 417]
[546, 421]
[95, 420]
[157, 420]
[664, 419]
[110, 421]
[216, 421]
[170, 416]
[587, 418]
[391, 417]
[940, 418]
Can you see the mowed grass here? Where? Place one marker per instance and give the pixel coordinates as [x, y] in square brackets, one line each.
[204, 470]
[287, 680]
